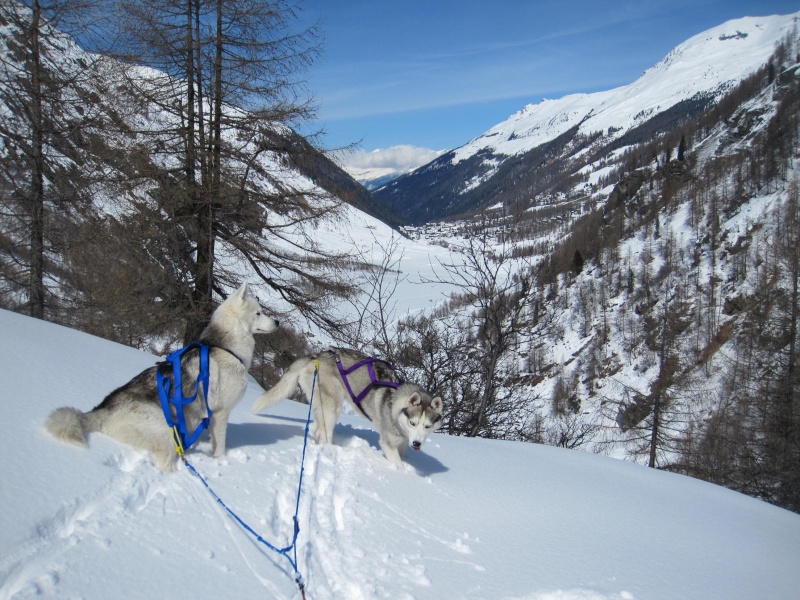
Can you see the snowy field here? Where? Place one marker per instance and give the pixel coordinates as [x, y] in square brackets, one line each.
[468, 518]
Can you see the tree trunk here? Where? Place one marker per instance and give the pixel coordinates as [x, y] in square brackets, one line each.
[199, 196]
[36, 199]
[488, 395]
[654, 432]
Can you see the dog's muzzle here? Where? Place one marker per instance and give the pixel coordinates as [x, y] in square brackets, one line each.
[416, 445]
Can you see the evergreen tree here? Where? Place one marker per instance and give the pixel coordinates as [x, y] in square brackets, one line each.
[229, 79]
[39, 183]
[577, 262]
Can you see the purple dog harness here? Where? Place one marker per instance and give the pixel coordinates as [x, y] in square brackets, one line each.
[374, 381]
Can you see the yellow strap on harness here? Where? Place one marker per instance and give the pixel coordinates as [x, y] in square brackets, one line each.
[176, 439]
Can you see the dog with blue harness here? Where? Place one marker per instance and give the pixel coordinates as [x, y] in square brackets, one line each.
[403, 413]
[166, 408]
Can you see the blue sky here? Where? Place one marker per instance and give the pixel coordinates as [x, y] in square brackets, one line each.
[436, 73]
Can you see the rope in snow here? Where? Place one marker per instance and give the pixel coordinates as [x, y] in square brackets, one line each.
[293, 546]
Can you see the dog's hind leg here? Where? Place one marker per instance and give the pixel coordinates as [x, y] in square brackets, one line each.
[327, 407]
[320, 426]
[142, 427]
[218, 428]
[165, 458]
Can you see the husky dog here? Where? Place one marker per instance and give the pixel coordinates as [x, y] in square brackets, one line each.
[132, 413]
[403, 413]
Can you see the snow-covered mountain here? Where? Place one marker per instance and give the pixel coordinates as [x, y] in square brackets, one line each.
[379, 167]
[373, 178]
[704, 67]
[467, 518]
[692, 77]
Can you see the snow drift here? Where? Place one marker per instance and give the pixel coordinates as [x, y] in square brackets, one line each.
[468, 518]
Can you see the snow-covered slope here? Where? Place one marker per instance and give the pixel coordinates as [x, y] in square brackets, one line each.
[709, 63]
[468, 518]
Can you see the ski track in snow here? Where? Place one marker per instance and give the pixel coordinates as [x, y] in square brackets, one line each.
[36, 566]
[340, 515]
[339, 518]
[350, 518]
[336, 515]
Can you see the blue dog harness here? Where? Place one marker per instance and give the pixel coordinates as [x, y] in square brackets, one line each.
[181, 436]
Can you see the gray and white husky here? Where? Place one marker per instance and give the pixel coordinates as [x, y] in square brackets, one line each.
[403, 413]
[132, 413]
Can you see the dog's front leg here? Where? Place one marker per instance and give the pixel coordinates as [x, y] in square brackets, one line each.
[218, 425]
[390, 452]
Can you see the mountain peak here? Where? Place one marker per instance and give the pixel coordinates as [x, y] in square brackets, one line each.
[704, 64]
[695, 74]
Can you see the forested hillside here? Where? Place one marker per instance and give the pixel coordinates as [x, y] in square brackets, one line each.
[657, 322]
[142, 184]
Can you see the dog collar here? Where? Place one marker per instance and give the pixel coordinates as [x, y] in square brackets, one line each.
[232, 353]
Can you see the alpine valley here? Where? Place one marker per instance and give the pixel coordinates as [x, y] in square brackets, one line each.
[616, 272]
[641, 298]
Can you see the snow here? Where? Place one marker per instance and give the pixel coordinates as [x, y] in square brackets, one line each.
[356, 234]
[468, 518]
[372, 173]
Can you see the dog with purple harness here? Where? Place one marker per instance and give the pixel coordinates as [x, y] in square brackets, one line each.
[403, 413]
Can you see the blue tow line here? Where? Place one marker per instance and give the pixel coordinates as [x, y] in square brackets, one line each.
[293, 546]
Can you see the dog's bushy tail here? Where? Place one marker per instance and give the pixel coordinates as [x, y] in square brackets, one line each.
[284, 388]
[67, 425]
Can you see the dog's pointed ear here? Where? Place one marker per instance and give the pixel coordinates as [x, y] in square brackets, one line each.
[436, 404]
[241, 293]
[414, 399]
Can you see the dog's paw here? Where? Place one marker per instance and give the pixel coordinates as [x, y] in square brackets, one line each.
[399, 465]
[168, 464]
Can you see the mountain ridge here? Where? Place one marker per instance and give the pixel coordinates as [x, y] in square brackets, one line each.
[692, 76]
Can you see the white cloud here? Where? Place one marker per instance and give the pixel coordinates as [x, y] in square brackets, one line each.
[397, 158]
